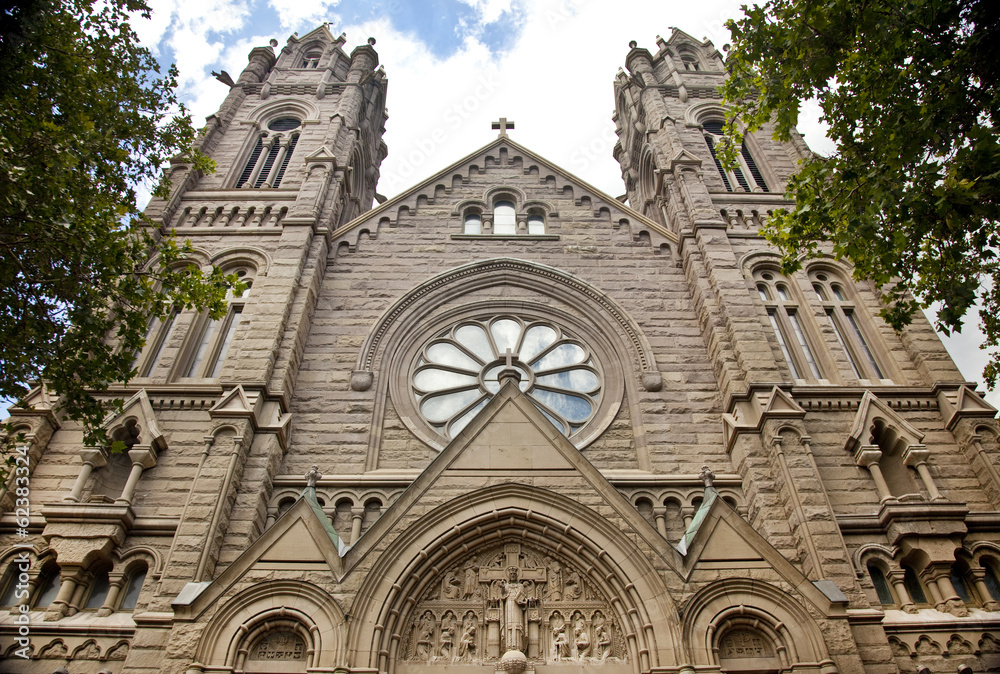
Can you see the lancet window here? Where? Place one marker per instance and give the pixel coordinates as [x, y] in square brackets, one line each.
[745, 176]
[789, 327]
[215, 336]
[271, 154]
[847, 324]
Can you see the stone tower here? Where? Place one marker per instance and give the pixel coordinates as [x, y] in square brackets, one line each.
[505, 421]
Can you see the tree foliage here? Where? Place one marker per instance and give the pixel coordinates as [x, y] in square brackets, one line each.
[910, 90]
[88, 118]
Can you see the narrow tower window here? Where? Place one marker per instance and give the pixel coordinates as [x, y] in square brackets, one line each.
[216, 336]
[270, 155]
[746, 164]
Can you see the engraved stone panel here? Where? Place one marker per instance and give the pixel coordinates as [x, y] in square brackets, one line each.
[512, 597]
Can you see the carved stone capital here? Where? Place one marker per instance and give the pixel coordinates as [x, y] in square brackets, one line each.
[866, 455]
[143, 455]
[914, 455]
[94, 456]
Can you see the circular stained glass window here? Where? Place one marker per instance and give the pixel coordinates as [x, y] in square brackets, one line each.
[456, 373]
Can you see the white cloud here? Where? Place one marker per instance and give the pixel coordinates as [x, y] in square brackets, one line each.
[302, 15]
[489, 10]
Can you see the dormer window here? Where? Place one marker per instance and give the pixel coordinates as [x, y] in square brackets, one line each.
[689, 60]
[504, 218]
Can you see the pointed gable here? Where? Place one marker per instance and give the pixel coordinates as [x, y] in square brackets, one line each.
[301, 539]
[500, 153]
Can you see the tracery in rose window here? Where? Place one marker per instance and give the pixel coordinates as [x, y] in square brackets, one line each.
[456, 373]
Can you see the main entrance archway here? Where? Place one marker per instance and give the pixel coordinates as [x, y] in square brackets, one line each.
[513, 567]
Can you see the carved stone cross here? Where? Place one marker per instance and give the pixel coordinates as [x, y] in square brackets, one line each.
[503, 125]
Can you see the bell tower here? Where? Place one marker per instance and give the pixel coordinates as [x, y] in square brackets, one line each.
[297, 144]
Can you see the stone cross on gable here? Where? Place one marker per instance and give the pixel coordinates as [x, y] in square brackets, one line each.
[503, 125]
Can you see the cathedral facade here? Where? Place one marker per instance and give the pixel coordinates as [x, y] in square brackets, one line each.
[506, 422]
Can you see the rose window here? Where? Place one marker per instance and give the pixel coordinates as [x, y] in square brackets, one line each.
[456, 373]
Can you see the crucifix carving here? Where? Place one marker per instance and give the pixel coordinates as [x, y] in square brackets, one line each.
[503, 125]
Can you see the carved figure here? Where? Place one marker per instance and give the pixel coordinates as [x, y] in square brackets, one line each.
[574, 585]
[467, 645]
[603, 642]
[555, 582]
[425, 637]
[560, 644]
[582, 641]
[513, 615]
[447, 636]
[451, 587]
[471, 586]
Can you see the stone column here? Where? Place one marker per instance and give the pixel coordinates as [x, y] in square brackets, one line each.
[660, 515]
[979, 580]
[896, 577]
[60, 605]
[357, 517]
[915, 456]
[143, 457]
[116, 583]
[93, 457]
[868, 456]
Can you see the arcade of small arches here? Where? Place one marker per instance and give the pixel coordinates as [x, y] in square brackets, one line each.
[351, 512]
[912, 582]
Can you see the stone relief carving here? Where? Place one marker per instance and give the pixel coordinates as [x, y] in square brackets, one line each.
[279, 646]
[512, 598]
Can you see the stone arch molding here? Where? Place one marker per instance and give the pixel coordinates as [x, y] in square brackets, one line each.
[405, 313]
[291, 623]
[775, 627]
[580, 575]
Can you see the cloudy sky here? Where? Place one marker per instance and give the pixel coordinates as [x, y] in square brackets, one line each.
[456, 65]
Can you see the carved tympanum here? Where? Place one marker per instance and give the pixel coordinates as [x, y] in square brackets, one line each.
[278, 646]
[512, 598]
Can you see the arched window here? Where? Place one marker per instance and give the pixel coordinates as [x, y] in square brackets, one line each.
[157, 335]
[881, 584]
[100, 584]
[991, 578]
[745, 171]
[216, 335]
[132, 587]
[473, 223]
[536, 224]
[48, 587]
[689, 60]
[311, 58]
[846, 323]
[913, 586]
[504, 218]
[271, 154]
[959, 580]
[783, 313]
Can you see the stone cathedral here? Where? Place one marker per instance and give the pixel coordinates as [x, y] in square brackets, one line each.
[505, 422]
